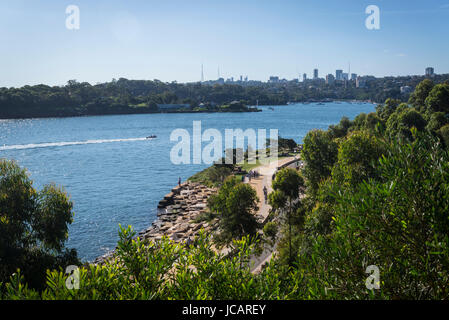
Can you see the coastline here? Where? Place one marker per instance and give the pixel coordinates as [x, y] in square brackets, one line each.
[179, 210]
[176, 216]
[126, 113]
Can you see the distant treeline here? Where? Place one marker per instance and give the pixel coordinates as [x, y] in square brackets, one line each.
[142, 96]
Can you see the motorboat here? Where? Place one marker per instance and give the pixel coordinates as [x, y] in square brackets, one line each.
[152, 136]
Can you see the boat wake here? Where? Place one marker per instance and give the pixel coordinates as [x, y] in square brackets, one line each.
[63, 144]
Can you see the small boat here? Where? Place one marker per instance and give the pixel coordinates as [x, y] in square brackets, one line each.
[271, 108]
[152, 136]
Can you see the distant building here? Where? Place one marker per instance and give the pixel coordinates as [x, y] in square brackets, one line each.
[345, 76]
[353, 76]
[406, 89]
[429, 72]
[339, 74]
[273, 79]
[315, 74]
[330, 79]
[304, 77]
[360, 82]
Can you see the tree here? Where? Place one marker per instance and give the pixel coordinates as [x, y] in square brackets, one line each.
[438, 98]
[436, 121]
[236, 206]
[319, 154]
[387, 109]
[402, 120]
[357, 156]
[444, 134]
[33, 226]
[286, 188]
[398, 223]
[340, 130]
[422, 90]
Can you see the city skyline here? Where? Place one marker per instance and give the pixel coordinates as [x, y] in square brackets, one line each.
[338, 74]
[169, 41]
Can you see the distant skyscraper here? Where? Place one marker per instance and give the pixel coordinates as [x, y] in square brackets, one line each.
[304, 77]
[429, 72]
[353, 76]
[330, 79]
[315, 74]
[360, 82]
[345, 76]
[339, 74]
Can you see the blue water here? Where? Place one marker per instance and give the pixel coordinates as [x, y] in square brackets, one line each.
[115, 176]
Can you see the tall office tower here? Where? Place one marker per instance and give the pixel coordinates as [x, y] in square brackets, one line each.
[353, 76]
[339, 74]
[344, 76]
[315, 74]
[429, 72]
[330, 79]
[304, 77]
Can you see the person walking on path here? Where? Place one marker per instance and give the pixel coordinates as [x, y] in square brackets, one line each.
[179, 181]
[265, 193]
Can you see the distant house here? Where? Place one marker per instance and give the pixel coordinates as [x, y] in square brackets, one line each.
[173, 106]
[406, 89]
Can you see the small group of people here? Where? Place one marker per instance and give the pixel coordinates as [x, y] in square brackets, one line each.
[252, 174]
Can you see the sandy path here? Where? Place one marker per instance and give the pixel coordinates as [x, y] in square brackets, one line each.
[266, 172]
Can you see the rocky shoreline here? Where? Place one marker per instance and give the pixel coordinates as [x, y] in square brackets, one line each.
[177, 214]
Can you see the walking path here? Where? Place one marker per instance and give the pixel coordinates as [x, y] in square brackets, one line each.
[264, 180]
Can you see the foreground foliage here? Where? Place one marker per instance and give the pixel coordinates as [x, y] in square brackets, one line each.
[33, 226]
[160, 270]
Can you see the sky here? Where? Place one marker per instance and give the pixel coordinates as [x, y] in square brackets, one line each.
[169, 40]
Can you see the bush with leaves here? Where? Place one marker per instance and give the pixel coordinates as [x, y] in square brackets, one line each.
[161, 270]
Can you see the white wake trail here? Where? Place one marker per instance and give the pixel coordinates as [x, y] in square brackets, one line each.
[62, 144]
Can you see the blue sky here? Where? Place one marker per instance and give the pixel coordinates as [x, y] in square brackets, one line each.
[169, 40]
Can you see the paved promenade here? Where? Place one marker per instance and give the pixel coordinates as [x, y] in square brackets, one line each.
[264, 180]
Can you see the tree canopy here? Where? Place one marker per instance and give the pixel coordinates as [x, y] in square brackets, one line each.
[33, 225]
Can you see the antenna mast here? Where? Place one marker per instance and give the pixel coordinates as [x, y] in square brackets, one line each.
[202, 73]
